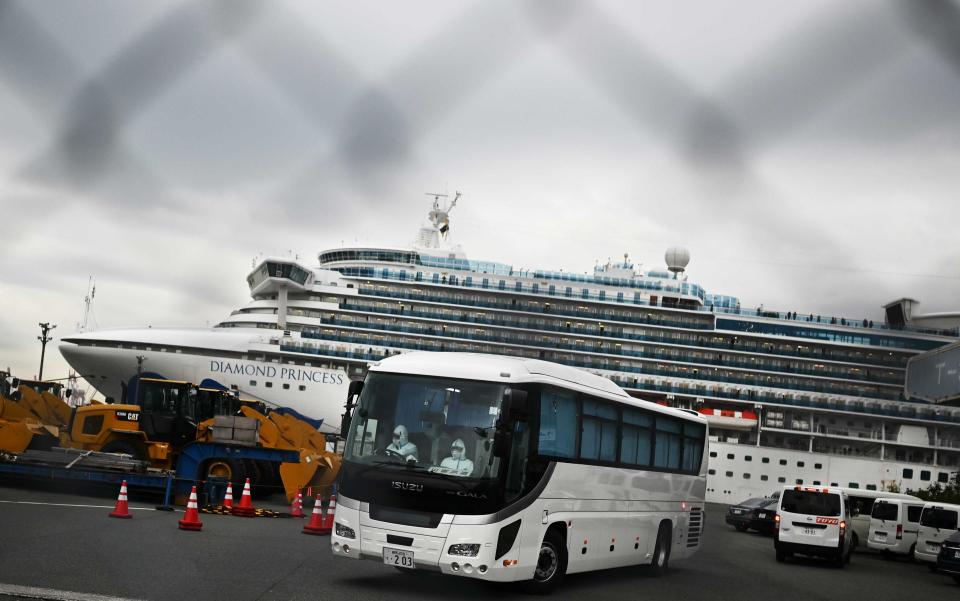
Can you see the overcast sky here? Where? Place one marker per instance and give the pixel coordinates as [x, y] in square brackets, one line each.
[806, 154]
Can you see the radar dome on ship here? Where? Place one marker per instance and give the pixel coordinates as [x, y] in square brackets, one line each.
[677, 258]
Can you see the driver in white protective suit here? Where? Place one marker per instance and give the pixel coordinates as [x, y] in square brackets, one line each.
[402, 445]
[457, 462]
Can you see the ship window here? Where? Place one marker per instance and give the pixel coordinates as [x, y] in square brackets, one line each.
[286, 387]
[765, 460]
[729, 474]
[783, 462]
[253, 382]
[746, 476]
[834, 484]
[269, 384]
[871, 487]
[713, 453]
[302, 387]
[818, 466]
[853, 485]
[800, 464]
[943, 477]
[816, 483]
[711, 472]
[764, 477]
[729, 455]
[781, 479]
[908, 473]
[924, 475]
[799, 480]
[747, 458]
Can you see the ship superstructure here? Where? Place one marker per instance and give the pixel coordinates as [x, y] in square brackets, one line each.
[793, 398]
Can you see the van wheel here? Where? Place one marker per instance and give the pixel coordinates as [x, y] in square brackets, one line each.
[551, 565]
[912, 554]
[661, 553]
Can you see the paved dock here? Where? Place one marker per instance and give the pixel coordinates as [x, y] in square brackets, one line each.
[61, 545]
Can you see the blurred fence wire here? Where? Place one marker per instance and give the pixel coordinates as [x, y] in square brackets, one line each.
[376, 124]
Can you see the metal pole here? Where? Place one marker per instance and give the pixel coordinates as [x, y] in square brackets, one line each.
[136, 390]
[45, 328]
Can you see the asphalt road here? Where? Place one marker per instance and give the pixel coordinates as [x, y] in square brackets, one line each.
[65, 542]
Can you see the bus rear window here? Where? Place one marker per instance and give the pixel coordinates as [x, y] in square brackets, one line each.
[810, 503]
[884, 511]
[937, 517]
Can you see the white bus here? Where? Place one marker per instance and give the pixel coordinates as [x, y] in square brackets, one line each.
[507, 469]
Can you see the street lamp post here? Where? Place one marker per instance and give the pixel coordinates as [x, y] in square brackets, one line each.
[45, 328]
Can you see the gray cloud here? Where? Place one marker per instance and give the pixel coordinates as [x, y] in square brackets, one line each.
[809, 164]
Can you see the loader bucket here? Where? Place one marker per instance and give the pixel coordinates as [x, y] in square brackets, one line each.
[318, 470]
[15, 437]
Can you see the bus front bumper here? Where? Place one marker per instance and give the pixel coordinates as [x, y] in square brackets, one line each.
[430, 552]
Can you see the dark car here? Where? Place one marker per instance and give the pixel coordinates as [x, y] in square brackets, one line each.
[948, 561]
[756, 514]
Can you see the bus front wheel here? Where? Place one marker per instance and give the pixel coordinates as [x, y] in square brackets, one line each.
[551, 565]
[661, 553]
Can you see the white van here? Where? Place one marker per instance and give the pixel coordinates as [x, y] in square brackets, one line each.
[893, 525]
[813, 521]
[937, 522]
[861, 508]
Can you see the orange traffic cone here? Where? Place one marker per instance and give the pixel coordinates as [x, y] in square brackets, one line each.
[245, 508]
[315, 525]
[296, 509]
[121, 510]
[228, 497]
[191, 519]
[328, 518]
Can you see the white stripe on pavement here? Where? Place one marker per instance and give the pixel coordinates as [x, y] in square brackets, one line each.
[32, 592]
[72, 505]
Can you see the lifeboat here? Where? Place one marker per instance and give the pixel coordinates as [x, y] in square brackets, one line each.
[730, 419]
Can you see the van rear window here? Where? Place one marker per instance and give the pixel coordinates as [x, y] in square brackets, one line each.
[884, 511]
[937, 517]
[810, 503]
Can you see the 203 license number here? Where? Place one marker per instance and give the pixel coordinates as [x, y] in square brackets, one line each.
[398, 558]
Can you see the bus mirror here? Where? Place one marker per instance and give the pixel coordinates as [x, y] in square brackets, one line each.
[515, 406]
[501, 444]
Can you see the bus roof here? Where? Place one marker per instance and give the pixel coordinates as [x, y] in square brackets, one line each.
[510, 370]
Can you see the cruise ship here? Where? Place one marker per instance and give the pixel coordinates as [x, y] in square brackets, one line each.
[791, 398]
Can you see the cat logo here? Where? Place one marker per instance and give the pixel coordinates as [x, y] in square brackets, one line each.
[128, 416]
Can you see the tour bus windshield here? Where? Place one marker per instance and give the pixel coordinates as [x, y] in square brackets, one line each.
[430, 425]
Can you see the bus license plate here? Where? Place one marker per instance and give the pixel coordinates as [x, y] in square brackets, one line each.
[398, 558]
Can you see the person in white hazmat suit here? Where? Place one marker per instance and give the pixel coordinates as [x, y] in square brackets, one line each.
[457, 462]
[401, 444]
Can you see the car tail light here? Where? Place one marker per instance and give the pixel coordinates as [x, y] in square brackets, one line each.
[843, 526]
[776, 520]
[899, 532]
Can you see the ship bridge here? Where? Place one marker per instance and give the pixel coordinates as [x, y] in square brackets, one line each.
[278, 276]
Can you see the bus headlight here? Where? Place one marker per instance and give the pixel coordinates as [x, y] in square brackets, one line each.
[465, 550]
[345, 531]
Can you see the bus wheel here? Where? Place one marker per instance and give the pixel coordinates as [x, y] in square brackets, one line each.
[551, 565]
[661, 553]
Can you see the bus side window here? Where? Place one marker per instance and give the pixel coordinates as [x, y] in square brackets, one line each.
[558, 423]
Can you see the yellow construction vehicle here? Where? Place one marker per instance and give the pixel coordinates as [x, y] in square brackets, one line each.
[164, 416]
